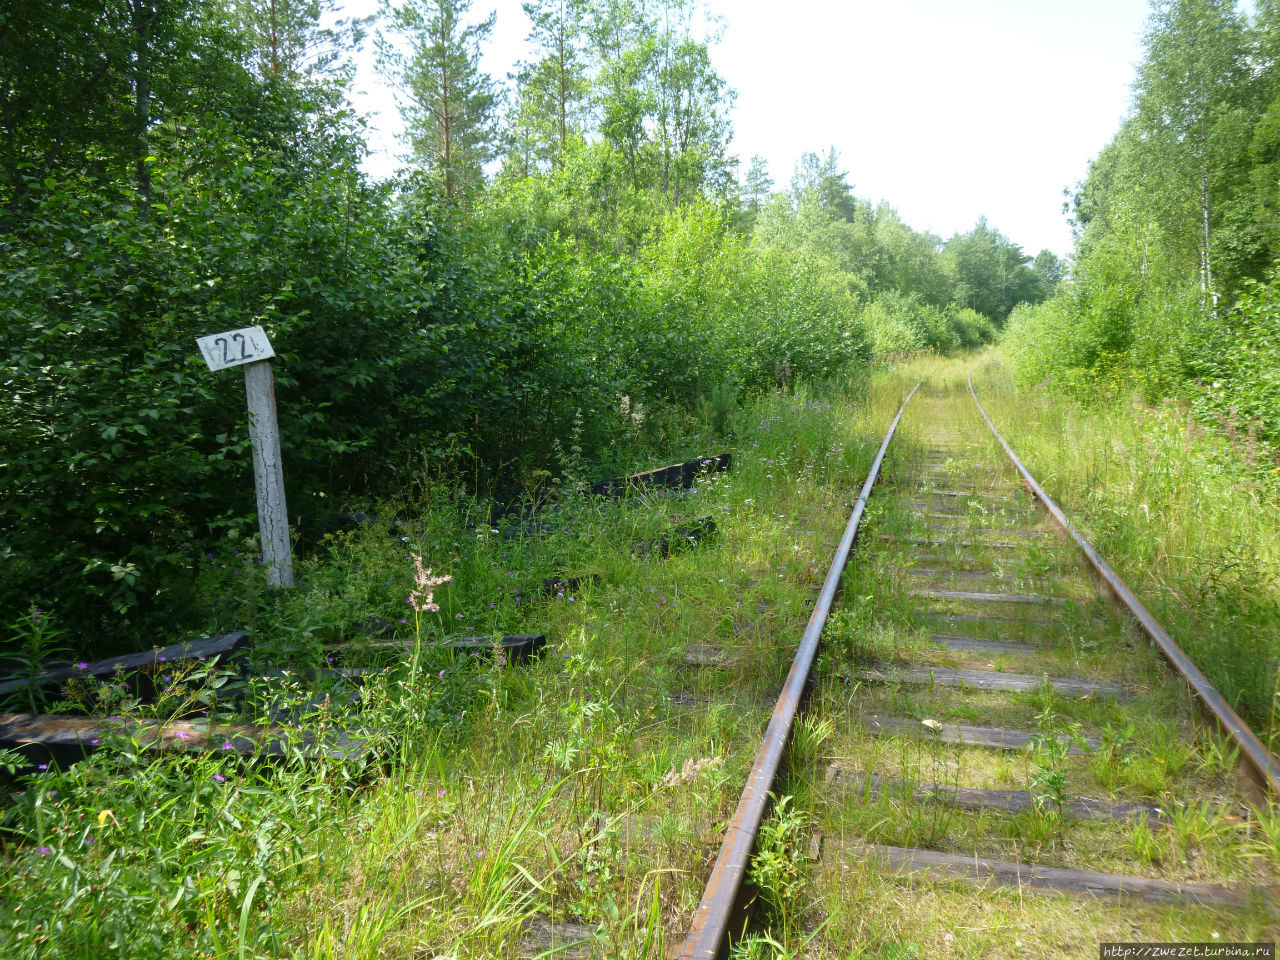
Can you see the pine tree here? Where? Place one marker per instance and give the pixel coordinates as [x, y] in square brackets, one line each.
[450, 105]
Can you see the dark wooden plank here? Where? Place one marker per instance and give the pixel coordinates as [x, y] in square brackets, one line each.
[682, 475]
[974, 798]
[994, 680]
[223, 644]
[1031, 876]
[705, 655]
[976, 596]
[944, 542]
[975, 618]
[680, 539]
[985, 576]
[562, 586]
[562, 939]
[988, 738]
[972, 493]
[54, 731]
[516, 646]
[1026, 534]
[979, 645]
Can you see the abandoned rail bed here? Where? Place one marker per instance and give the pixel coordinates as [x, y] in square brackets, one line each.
[978, 711]
[1012, 708]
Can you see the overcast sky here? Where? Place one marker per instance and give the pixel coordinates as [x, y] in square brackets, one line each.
[945, 109]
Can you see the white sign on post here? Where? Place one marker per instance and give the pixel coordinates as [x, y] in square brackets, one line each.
[250, 348]
[230, 349]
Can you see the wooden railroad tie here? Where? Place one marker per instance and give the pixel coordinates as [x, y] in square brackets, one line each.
[55, 732]
[976, 596]
[223, 644]
[1035, 878]
[973, 798]
[988, 738]
[994, 680]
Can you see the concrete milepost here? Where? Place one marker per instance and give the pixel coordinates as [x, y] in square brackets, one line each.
[250, 348]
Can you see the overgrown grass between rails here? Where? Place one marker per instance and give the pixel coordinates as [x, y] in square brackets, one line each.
[1178, 511]
[569, 788]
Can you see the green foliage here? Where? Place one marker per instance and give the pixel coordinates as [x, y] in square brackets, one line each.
[1169, 290]
[775, 868]
[450, 107]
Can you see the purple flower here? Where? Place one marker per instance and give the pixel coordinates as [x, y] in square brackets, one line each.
[227, 746]
[96, 740]
[43, 851]
[182, 735]
[220, 778]
[82, 665]
[162, 658]
[440, 792]
[441, 674]
[235, 571]
[42, 766]
[480, 852]
[88, 840]
[402, 619]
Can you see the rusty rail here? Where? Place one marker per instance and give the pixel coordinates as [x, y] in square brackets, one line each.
[1252, 749]
[711, 923]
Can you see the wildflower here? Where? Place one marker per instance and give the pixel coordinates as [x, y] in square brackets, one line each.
[440, 675]
[82, 665]
[422, 597]
[440, 792]
[220, 778]
[42, 766]
[182, 735]
[227, 746]
[96, 740]
[480, 852]
[43, 851]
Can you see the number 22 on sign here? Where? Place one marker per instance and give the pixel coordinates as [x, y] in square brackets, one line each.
[235, 347]
[250, 348]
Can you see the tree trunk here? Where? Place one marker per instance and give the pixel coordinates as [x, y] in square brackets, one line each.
[142, 23]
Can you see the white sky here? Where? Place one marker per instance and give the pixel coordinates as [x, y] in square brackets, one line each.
[945, 109]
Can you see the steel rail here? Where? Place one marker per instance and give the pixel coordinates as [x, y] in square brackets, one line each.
[1252, 749]
[711, 922]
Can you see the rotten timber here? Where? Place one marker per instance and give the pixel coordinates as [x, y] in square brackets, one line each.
[974, 798]
[61, 733]
[223, 644]
[988, 738]
[984, 871]
[994, 680]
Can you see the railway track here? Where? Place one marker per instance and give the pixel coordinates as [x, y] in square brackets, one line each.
[999, 736]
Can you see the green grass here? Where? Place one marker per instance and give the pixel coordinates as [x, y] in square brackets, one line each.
[1152, 750]
[592, 786]
[574, 788]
